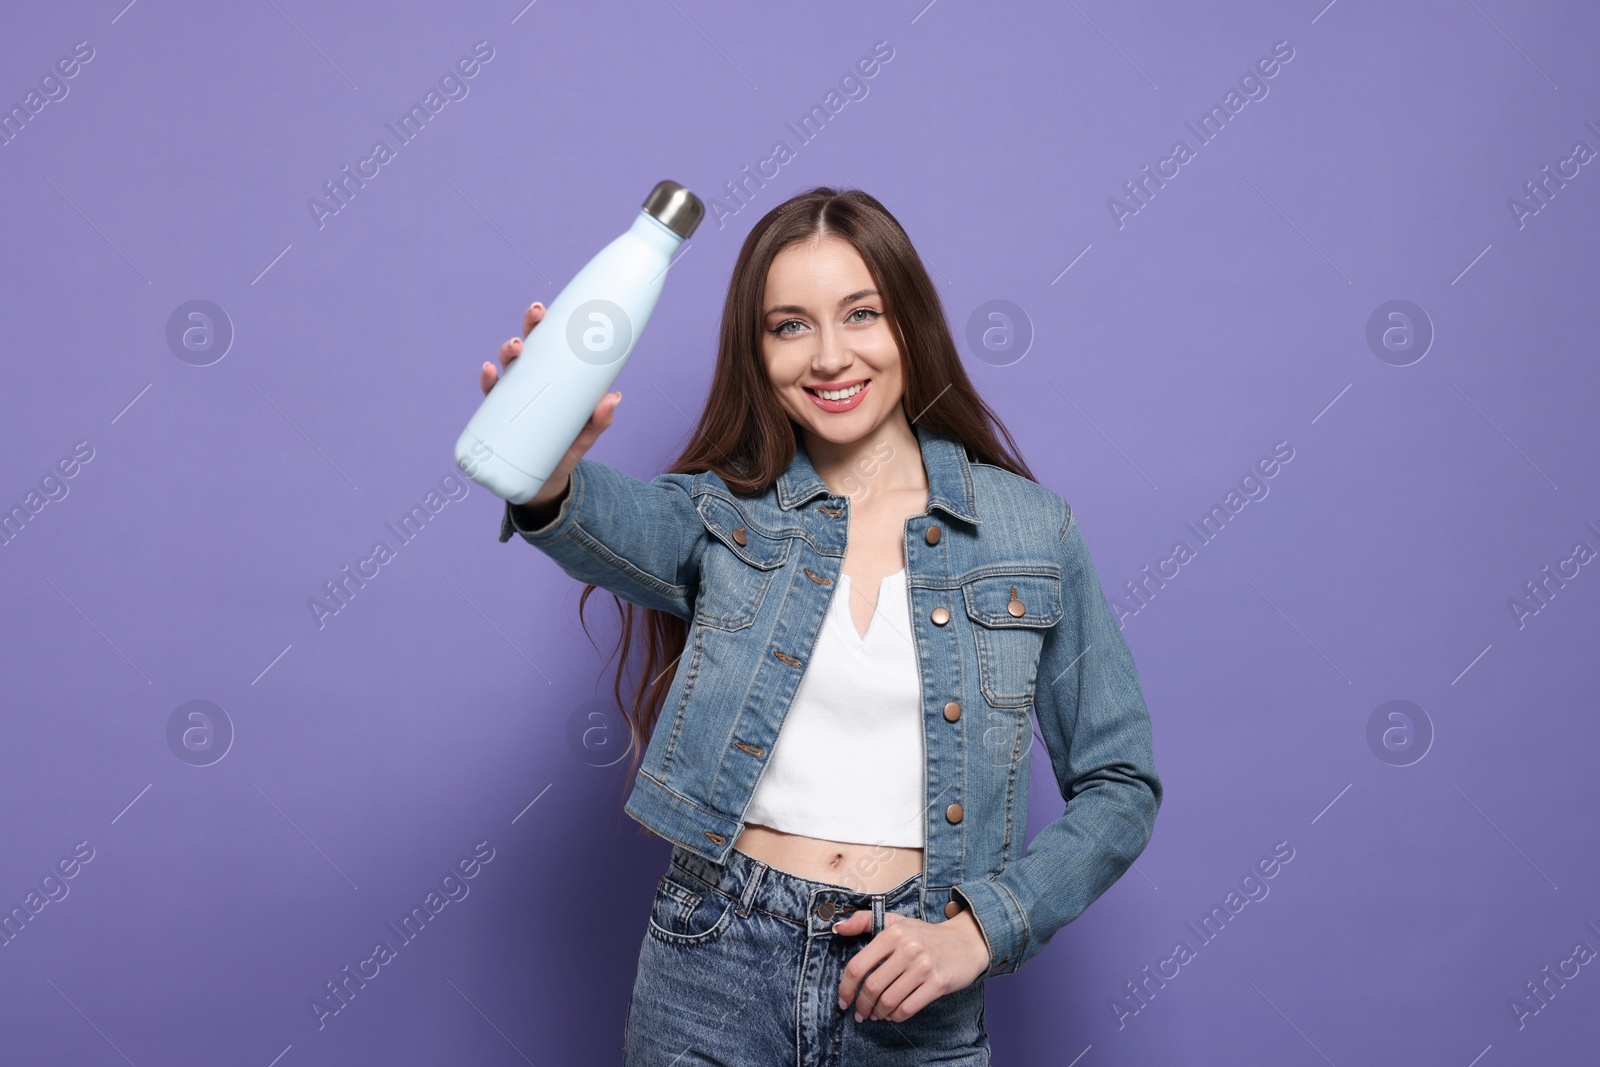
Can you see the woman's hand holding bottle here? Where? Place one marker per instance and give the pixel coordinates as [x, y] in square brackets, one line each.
[545, 503]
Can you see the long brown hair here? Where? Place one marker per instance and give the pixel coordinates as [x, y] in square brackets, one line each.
[750, 440]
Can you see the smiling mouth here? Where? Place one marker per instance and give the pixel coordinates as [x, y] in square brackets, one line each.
[838, 394]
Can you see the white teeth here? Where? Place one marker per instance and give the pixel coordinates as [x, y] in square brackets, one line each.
[840, 394]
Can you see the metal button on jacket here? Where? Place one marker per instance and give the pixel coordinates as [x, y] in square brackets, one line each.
[1016, 607]
[932, 536]
[952, 711]
[940, 616]
[738, 535]
[953, 813]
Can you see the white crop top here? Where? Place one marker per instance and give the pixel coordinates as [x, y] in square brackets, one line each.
[848, 764]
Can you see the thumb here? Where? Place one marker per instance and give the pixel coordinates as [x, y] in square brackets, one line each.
[859, 922]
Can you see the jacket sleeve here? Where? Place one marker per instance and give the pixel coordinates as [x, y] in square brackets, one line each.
[640, 540]
[1094, 722]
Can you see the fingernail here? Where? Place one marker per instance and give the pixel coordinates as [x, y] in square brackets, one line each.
[859, 1016]
[619, 396]
[537, 304]
[842, 1004]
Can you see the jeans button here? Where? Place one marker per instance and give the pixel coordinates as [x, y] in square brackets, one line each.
[825, 910]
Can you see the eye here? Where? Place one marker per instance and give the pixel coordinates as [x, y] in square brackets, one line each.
[779, 329]
[869, 311]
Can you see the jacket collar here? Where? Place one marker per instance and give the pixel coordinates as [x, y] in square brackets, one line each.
[944, 458]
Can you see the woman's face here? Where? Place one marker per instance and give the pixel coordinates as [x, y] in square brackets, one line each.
[824, 328]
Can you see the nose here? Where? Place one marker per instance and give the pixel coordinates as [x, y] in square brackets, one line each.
[832, 353]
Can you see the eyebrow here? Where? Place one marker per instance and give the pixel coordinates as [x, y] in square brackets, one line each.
[792, 309]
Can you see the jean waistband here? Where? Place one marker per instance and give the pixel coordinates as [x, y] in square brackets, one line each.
[810, 904]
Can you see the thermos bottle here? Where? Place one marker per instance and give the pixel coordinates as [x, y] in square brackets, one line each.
[539, 406]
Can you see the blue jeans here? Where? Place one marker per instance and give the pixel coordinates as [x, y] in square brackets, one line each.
[740, 967]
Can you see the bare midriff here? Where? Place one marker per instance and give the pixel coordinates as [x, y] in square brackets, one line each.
[863, 868]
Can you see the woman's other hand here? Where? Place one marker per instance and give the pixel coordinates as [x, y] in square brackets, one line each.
[917, 962]
[598, 423]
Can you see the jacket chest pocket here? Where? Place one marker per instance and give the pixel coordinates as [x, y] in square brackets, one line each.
[739, 567]
[1011, 612]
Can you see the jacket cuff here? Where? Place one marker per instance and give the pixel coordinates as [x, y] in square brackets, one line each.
[556, 527]
[1002, 921]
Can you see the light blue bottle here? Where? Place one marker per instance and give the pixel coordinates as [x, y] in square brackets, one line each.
[533, 414]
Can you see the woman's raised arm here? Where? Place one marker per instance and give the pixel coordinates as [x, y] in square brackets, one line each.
[639, 540]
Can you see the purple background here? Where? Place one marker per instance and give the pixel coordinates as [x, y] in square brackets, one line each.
[449, 702]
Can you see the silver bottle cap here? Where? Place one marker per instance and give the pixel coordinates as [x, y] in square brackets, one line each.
[675, 207]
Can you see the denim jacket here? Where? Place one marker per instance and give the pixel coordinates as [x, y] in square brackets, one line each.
[1008, 619]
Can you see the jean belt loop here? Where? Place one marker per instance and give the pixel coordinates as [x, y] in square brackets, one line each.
[755, 870]
[877, 913]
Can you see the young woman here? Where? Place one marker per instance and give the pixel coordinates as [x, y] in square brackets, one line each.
[853, 597]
